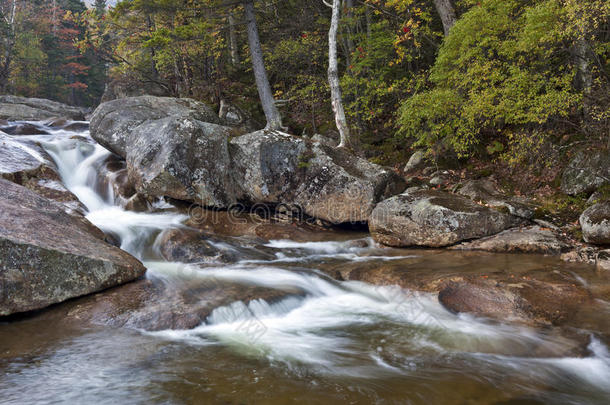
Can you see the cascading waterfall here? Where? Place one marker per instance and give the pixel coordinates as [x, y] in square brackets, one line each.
[332, 328]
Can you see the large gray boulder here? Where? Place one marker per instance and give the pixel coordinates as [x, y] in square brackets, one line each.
[182, 158]
[434, 219]
[587, 171]
[48, 256]
[324, 182]
[36, 109]
[595, 224]
[113, 121]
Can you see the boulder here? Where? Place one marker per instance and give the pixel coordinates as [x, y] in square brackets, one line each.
[113, 121]
[595, 224]
[531, 239]
[181, 158]
[416, 162]
[48, 256]
[603, 260]
[326, 183]
[434, 219]
[36, 109]
[485, 191]
[27, 164]
[587, 171]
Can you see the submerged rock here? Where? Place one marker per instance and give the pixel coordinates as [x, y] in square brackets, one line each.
[587, 171]
[24, 129]
[48, 256]
[595, 224]
[521, 300]
[434, 219]
[153, 305]
[181, 158]
[326, 183]
[532, 239]
[112, 122]
[194, 246]
[36, 109]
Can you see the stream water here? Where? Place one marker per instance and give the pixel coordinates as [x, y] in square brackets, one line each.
[322, 341]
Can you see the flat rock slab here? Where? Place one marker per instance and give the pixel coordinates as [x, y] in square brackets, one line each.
[434, 219]
[48, 256]
[531, 239]
[152, 304]
[36, 109]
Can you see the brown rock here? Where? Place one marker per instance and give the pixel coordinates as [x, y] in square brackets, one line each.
[532, 239]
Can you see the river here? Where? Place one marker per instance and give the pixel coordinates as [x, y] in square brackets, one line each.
[318, 341]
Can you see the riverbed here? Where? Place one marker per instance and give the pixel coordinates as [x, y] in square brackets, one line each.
[310, 338]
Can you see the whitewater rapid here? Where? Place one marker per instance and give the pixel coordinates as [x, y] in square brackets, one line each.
[340, 328]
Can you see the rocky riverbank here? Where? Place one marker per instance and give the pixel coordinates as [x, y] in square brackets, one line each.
[284, 187]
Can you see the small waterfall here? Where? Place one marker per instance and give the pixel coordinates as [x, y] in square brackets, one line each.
[78, 161]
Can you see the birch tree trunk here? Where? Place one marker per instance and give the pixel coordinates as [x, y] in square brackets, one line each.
[333, 77]
[9, 43]
[274, 120]
[233, 41]
[447, 13]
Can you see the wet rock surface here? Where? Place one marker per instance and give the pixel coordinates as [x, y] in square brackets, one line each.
[532, 291]
[36, 109]
[434, 219]
[595, 224]
[153, 304]
[532, 239]
[49, 256]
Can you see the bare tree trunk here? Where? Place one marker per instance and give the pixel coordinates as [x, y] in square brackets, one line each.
[274, 120]
[447, 13]
[369, 22]
[585, 76]
[333, 77]
[9, 43]
[233, 41]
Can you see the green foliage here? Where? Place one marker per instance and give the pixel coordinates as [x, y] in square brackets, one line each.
[505, 66]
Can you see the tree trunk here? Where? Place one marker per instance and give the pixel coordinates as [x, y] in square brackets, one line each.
[9, 43]
[233, 41]
[447, 13]
[274, 120]
[333, 77]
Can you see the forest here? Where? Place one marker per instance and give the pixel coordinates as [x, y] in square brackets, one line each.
[509, 81]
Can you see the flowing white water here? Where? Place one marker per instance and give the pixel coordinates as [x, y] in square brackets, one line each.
[340, 328]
